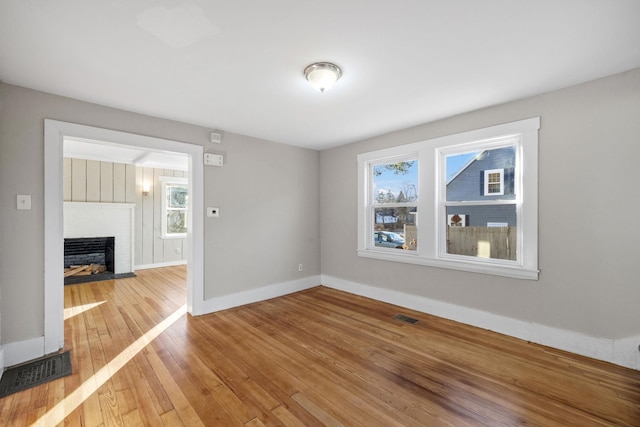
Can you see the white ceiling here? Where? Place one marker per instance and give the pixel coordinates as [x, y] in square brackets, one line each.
[80, 148]
[237, 65]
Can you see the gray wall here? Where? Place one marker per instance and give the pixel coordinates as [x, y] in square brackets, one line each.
[268, 195]
[273, 205]
[267, 192]
[588, 214]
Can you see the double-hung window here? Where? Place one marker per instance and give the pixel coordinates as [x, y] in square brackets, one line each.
[175, 201]
[466, 201]
[393, 202]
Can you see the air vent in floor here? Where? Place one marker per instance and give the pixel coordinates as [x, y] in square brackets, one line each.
[406, 319]
[35, 373]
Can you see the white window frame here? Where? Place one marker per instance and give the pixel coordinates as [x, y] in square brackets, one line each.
[488, 173]
[371, 202]
[431, 155]
[481, 145]
[164, 182]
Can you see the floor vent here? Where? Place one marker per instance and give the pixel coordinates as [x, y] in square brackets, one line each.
[35, 373]
[406, 319]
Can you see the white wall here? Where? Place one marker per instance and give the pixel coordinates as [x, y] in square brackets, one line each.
[107, 182]
[91, 219]
[588, 223]
[151, 248]
[238, 256]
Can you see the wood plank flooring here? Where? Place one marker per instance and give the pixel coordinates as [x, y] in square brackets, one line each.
[318, 357]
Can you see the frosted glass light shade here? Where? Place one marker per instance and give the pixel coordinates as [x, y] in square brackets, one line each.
[322, 75]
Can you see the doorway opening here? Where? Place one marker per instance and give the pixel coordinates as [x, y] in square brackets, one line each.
[56, 133]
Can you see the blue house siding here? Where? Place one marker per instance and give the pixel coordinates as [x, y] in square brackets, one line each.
[468, 185]
[479, 216]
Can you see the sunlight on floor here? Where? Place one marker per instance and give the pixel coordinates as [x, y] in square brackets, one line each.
[74, 311]
[58, 413]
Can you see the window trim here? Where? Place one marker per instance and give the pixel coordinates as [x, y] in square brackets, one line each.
[431, 161]
[164, 182]
[514, 140]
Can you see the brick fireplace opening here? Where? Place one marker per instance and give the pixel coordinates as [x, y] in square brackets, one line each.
[88, 250]
[91, 251]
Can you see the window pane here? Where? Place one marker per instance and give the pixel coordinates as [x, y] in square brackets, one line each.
[395, 182]
[176, 222]
[494, 178]
[466, 175]
[482, 231]
[395, 228]
[176, 196]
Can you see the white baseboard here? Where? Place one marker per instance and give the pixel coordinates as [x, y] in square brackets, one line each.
[160, 264]
[2, 365]
[23, 351]
[623, 352]
[626, 352]
[259, 294]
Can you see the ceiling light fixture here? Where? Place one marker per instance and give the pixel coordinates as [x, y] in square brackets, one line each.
[322, 75]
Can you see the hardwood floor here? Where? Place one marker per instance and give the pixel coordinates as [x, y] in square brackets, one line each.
[318, 357]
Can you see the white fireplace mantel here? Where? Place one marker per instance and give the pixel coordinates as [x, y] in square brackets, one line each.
[88, 219]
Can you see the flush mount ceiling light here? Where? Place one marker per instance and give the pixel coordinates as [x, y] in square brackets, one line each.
[322, 75]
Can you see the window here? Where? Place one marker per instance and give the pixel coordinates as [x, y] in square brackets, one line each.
[476, 195]
[175, 200]
[494, 182]
[478, 191]
[394, 202]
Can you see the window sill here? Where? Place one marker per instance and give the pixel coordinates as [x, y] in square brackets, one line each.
[515, 272]
[176, 236]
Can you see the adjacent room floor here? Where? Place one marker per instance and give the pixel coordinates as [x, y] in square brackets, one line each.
[318, 357]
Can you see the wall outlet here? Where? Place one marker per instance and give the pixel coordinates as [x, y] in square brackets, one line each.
[178, 250]
[300, 267]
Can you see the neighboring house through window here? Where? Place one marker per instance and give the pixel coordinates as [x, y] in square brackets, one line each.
[175, 201]
[460, 201]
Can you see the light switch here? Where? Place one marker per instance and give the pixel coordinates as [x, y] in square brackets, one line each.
[23, 201]
[213, 212]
